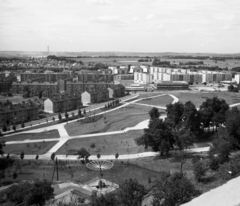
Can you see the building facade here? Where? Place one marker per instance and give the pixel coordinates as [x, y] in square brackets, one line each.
[62, 103]
[45, 77]
[14, 114]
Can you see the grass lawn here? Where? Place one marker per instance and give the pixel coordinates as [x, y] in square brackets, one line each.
[81, 174]
[149, 94]
[29, 148]
[24, 136]
[158, 101]
[106, 145]
[198, 98]
[128, 116]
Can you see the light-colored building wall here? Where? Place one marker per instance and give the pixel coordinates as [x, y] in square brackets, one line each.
[48, 106]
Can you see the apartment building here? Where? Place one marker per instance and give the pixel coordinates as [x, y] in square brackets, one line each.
[61, 103]
[216, 77]
[95, 97]
[45, 77]
[5, 86]
[14, 114]
[2, 75]
[48, 87]
[86, 77]
[237, 78]
[143, 78]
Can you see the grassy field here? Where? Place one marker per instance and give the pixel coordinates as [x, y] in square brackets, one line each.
[119, 119]
[158, 101]
[81, 174]
[121, 171]
[29, 148]
[230, 63]
[198, 98]
[31, 136]
[149, 94]
[106, 145]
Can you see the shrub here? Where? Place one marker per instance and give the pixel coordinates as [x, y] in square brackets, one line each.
[92, 145]
[199, 170]
[214, 163]
[229, 170]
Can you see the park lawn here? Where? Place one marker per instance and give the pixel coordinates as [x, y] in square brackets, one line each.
[25, 136]
[149, 94]
[29, 148]
[81, 174]
[106, 145]
[198, 98]
[119, 119]
[157, 101]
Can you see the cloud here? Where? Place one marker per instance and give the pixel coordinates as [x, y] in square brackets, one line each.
[100, 2]
[150, 16]
[111, 20]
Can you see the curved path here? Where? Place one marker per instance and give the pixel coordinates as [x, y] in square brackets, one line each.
[64, 137]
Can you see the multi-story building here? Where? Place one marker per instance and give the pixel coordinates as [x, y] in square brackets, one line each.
[5, 86]
[216, 77]
[2, 76]
[45, 77]
[14, 114]
[61, 103]
[48, 88]
[86, 76]
[120, 77]
[95, 97]
[143, 78]
[171, 85]
[237, 78]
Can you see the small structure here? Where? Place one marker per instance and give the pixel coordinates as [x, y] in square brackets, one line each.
[171, 85]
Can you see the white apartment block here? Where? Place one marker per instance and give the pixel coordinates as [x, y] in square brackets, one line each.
[237, 78]
[143, 78]
[212, 77]
[114, 70]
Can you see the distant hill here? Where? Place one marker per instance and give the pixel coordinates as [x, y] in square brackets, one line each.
[110, 53]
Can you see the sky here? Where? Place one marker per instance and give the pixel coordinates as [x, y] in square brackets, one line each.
[211, 26]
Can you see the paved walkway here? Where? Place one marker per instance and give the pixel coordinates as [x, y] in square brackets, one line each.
[64, 137]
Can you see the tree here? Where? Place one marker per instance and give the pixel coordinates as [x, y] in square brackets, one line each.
[59, 116]
[14, 127]
[232, 125]
[154, 113]
[66, 115]
[158, 136]
[37, 157]
[79, 113]
[213, 110]
[26, 193]
[4, 128]
[84, 112]
[22, 155]
[73, 114]
[174, 113]
[131, 193]
[53, 156]
[199, 170]
[173, 191]
[98, 156]
[83, 153]
[191, 117]
[2, 144]
[22, 124]
[222, 145]
[230, 88]
[116, 156]
[184, 138]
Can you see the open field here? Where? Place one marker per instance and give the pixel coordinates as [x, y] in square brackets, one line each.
[158, 101]
[229, 63]
[150, 94]
[105, 145]
[29, 148]
[114, 61]
[198, 98]
[43, 135]
[119, 119]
